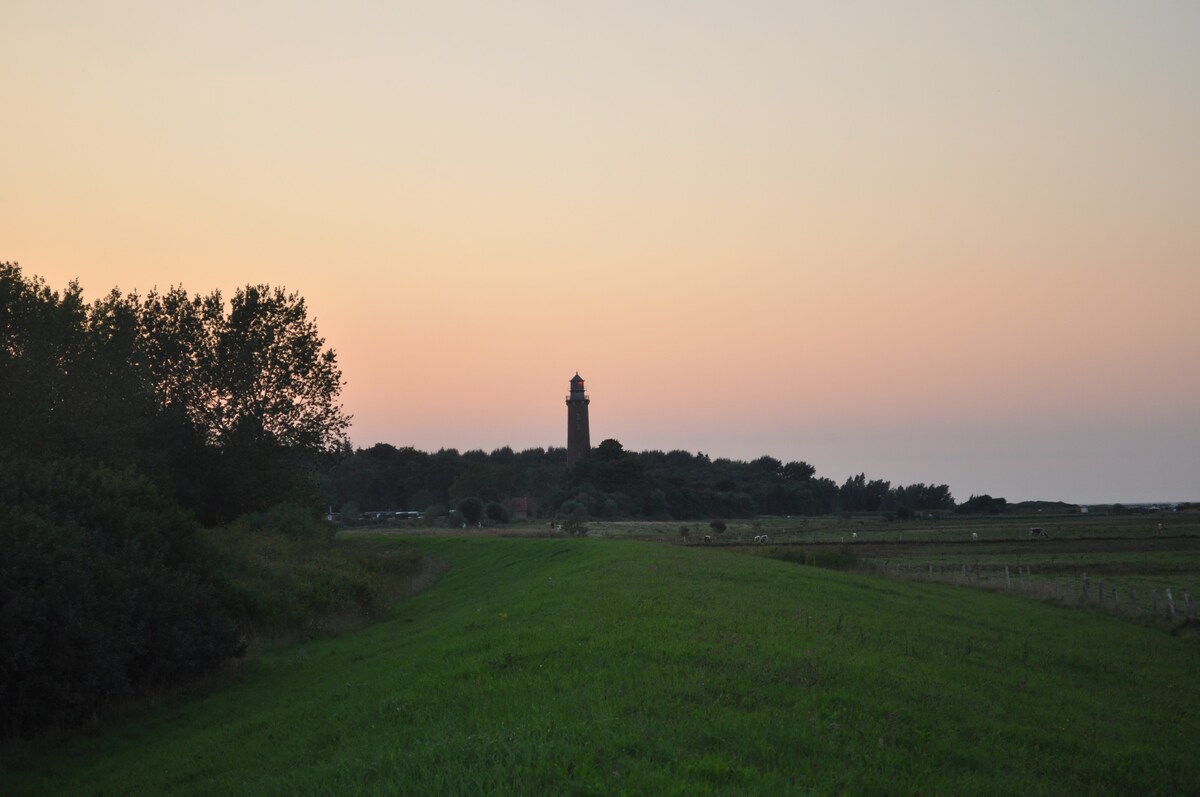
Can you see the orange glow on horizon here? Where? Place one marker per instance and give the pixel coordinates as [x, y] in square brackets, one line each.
[779, 226]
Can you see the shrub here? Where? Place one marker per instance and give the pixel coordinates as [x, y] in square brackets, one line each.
[471, 509]
[350, 514]
[496, 512]
[107, 592]
[434, 514]
[291, 520]
[576, 526]
[718, 526]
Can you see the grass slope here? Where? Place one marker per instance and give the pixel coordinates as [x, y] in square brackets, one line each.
[605, 667]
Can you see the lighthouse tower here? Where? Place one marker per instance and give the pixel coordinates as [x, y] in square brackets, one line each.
[579, 441]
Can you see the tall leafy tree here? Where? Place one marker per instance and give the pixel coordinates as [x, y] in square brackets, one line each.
[42, 343]
[259, 373]
[255, 383]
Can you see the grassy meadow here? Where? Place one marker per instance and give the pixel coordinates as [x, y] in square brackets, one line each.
[1140, 555]
[609, 666]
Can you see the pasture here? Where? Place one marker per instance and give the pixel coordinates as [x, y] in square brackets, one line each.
[594, 666]
[1082, 560]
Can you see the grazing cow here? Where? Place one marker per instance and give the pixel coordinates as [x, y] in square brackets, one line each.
[975, 536]
[854, 535]
[765, 539]
[707, 539]
[1038, 533]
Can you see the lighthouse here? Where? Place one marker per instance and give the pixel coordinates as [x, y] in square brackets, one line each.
[579, 441]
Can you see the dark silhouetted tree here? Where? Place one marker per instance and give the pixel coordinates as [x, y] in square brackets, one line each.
[472, 510]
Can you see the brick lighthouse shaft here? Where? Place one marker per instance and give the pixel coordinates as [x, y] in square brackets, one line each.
[579, 443]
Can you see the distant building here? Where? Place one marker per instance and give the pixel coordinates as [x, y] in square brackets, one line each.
[520, 509]
[579, 441]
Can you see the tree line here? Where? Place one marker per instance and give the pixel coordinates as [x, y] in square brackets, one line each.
[611, 483]
[125, 423]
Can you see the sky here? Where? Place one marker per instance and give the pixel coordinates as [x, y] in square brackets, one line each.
[935, 242]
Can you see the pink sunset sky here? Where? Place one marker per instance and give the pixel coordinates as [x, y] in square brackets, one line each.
[930, 241]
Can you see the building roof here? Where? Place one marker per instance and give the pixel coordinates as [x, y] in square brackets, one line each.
[576, 378]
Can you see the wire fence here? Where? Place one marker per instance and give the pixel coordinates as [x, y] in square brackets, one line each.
[1118, 595]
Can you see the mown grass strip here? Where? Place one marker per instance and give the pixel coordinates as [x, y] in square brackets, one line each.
[604, 667]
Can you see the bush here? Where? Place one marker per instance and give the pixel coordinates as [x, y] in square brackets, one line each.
[350, 514]
[291, 520]
[471, 509]
[496, 512]
[982, 504]
[576, 526]
[718, 526]
[107, 593]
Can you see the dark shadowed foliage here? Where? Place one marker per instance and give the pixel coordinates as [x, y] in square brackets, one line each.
[105, 589]
[229, 408]
[611, 484]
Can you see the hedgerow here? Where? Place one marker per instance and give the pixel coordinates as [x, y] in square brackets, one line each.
[105, 593]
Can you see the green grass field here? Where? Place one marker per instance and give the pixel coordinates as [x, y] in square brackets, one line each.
[603, 666]
[1139, 555]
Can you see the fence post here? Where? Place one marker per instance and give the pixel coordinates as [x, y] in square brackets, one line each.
[1133, 598]
[1170, 601]
[1007, 578]
[1116, 607]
